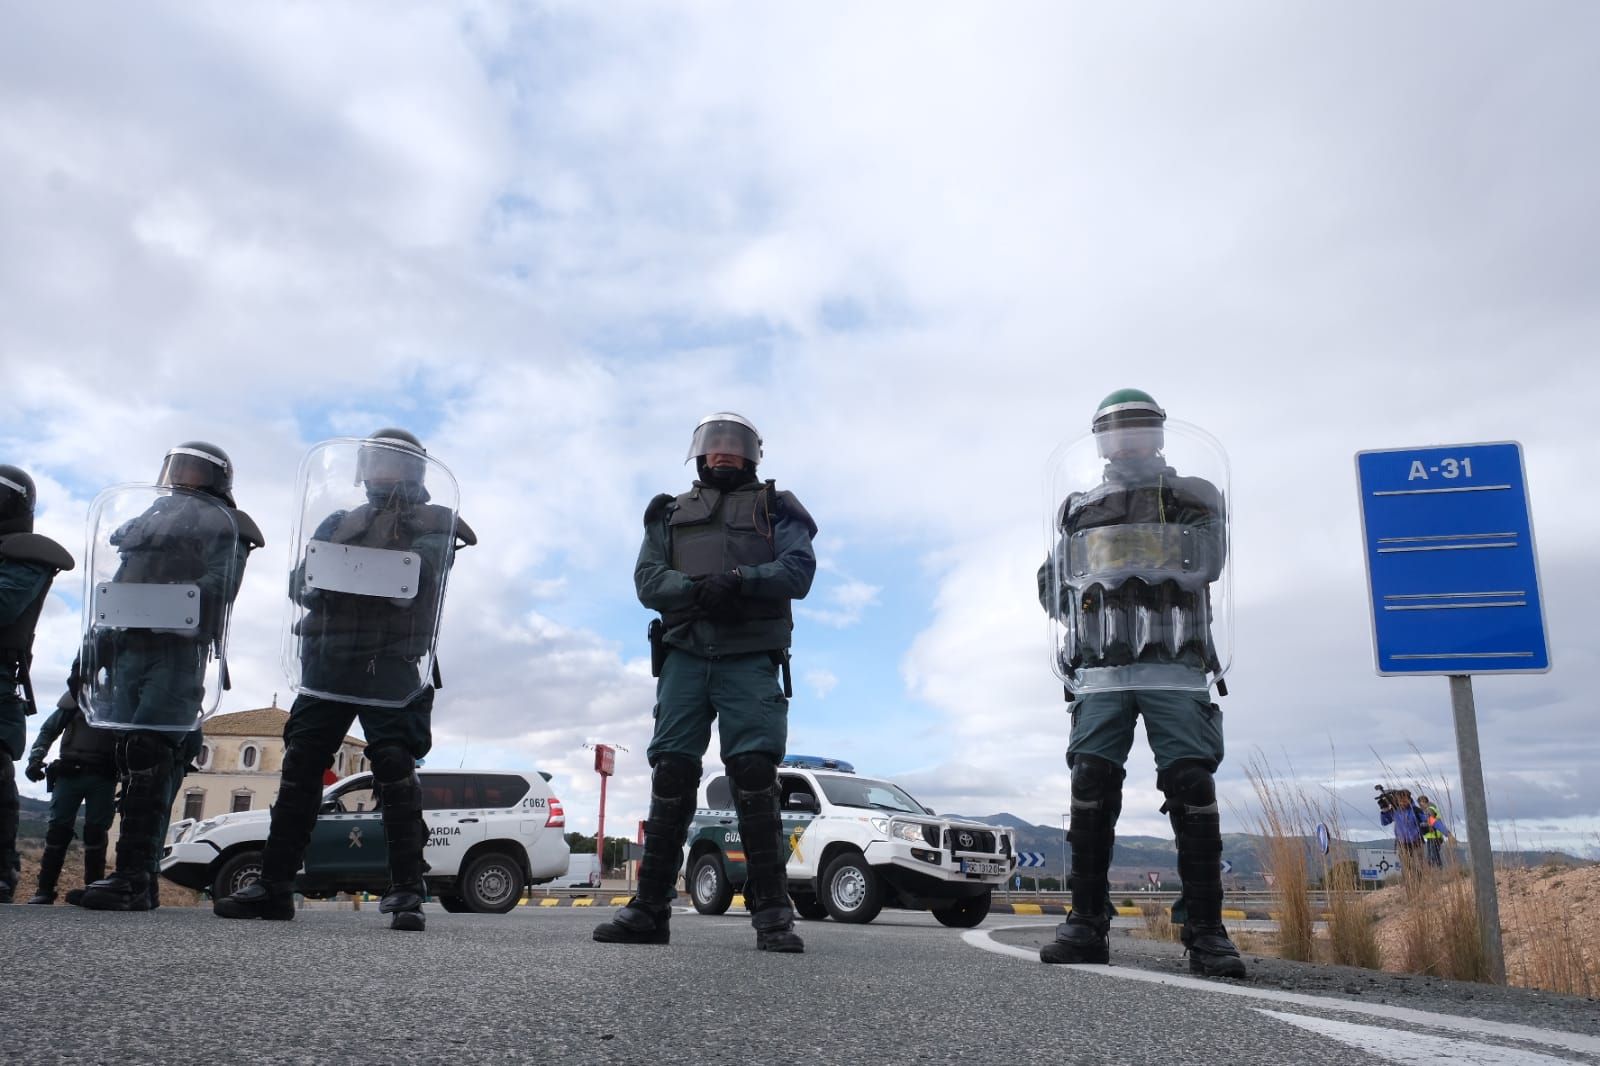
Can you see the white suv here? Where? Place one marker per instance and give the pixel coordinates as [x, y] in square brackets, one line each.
[491, 833]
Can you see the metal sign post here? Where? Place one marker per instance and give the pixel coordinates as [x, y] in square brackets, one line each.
[1454, 580]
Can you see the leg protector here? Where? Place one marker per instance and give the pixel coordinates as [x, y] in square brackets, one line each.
[144, 765]
[56, 840]
[10, 811]
[294, 813]
[1096, 806]
[1192, 806]
[395, 770]
[94, 852]
[673, 784]
[754, 777]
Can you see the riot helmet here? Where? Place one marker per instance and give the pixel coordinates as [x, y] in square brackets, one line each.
[1127, 424]
[391, 460]
[17, 498]
[194, 464]
[725, 434]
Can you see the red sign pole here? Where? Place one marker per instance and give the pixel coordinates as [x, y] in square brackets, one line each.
[604, 764]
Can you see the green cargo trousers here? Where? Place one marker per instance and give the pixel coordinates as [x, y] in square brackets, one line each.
[741, 692]
[1180, 724]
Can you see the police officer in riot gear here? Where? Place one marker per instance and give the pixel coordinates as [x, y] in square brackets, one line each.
[83, 776]
[1131, 581]
[722, 563]
[149, 683]
[29, 562]
[366, 655]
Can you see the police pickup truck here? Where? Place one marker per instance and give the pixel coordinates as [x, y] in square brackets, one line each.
[491, 833]
[855, 844]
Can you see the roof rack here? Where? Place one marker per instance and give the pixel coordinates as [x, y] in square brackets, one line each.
[816, 762]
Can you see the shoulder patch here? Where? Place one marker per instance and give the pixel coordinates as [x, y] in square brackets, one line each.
[36, 548]
[657, 508]
[789, 506]
[249, 532]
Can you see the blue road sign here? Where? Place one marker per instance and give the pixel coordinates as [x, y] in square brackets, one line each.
[1322, 837]
[1450, 560]
[1030, 858]
[1227, 867]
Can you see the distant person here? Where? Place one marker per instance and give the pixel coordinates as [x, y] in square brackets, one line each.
[370, 582]
[722, 562]
[1140, 548]
[1396, 808]
[1434, 831]
[83, 777]
[29, 562]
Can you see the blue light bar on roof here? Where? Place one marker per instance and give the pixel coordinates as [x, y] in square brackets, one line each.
[816, 762]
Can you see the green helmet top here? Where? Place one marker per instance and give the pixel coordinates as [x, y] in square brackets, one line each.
[1128, 406]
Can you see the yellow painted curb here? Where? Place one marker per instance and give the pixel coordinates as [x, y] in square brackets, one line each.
[1026, 908]
[1233, 915]
[738, 900]
[583, 901]
[1129, 912]
[620, 901]
[549, 903]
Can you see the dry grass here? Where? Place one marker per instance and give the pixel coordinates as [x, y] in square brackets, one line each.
[1158, 921]
[1282, 824]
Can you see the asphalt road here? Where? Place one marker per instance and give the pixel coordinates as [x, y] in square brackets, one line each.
[178, 985]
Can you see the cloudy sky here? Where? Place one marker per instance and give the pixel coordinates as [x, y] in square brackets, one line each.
[916, 244]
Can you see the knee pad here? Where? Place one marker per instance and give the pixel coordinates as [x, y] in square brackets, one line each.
[1094, 780]
[752, 771]
[303, 768]
[59, 836]
[391, 762]
[142, 751]
[674, 775]
[1189, 785]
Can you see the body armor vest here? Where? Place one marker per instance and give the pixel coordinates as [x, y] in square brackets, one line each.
[16, 638]
[83, 743]
[1138, 554]
[714, 532]
[178, 540]
[368, 626]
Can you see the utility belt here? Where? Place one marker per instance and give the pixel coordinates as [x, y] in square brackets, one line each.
[73, 768]
[656, 634]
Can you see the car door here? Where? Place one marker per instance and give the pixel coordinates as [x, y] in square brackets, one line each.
[452, 807]
[347, 847]
[801, 862]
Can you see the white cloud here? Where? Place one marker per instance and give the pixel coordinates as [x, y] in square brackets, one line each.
[822, 682]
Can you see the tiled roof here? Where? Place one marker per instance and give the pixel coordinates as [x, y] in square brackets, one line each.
[261, 722]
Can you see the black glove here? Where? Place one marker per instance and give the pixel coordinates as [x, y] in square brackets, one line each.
[35, 770]
[718, 596]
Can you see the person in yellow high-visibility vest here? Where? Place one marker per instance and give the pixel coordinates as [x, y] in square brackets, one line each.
[1434, 831]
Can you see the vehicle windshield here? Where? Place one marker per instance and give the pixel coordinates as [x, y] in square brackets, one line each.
[869, 794]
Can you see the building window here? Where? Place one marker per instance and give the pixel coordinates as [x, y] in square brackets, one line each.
[241, 801]
[247, 757]
[338, 764]
[194, 802]
[205, 756]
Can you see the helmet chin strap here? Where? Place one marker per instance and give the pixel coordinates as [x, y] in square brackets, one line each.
[726, 477]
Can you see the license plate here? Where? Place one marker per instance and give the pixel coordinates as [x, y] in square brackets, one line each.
[970, 866]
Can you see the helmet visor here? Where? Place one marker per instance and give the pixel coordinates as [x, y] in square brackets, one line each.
[725, 438]
[191, 468]
[380, 461]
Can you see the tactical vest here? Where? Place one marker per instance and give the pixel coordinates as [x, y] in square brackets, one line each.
[370, 626]
[16, 638]
[1136, 561]
[173, 542]
[713, 532]
[83, 743]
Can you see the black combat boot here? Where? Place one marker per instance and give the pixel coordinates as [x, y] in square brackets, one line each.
[119, 892]
[49, 873]
[647, 917]
[406, 834]
[144, 761]
[272, 900]
[94, 866]
[404, 901]
[1096, 804]
[766, 886]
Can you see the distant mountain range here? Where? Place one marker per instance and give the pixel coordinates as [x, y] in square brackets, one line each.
[1136, 857]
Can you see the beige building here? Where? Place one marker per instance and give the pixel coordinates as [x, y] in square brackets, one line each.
[241, 760]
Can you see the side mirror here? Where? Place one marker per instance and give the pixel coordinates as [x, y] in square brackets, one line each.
[929, 810]
[803, 801]
[332, 806]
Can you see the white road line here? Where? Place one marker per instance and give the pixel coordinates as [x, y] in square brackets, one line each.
[1413, 1048]
[981, 938]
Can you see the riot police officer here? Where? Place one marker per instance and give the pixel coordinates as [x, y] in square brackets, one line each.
[722, 562]
[83, 776]
[29, 562]
[1135, 581]
[151, 672]
[368, 589]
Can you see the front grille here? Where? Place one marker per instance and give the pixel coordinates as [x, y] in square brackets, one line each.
[970, 840]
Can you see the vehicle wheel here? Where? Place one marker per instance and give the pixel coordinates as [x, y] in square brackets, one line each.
[243, 868]
[809, 906]
[851, 892]
[967, 913]
[708, 885]
[453, 904]
[492, 883]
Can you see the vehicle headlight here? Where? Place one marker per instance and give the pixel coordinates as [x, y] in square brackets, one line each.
[913, 832]
[198, 829]
[880, 824]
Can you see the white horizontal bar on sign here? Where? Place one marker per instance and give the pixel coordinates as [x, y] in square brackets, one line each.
[1452, 606]
[1469, 655]
[1445, 548]
[1447, 536]
[1452, 595]
[1434, 492]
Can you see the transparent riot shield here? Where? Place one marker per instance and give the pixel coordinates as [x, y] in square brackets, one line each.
[374, 540]
[164, 566]
[1136, 583]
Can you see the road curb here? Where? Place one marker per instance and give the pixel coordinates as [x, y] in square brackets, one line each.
[1229, 914]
